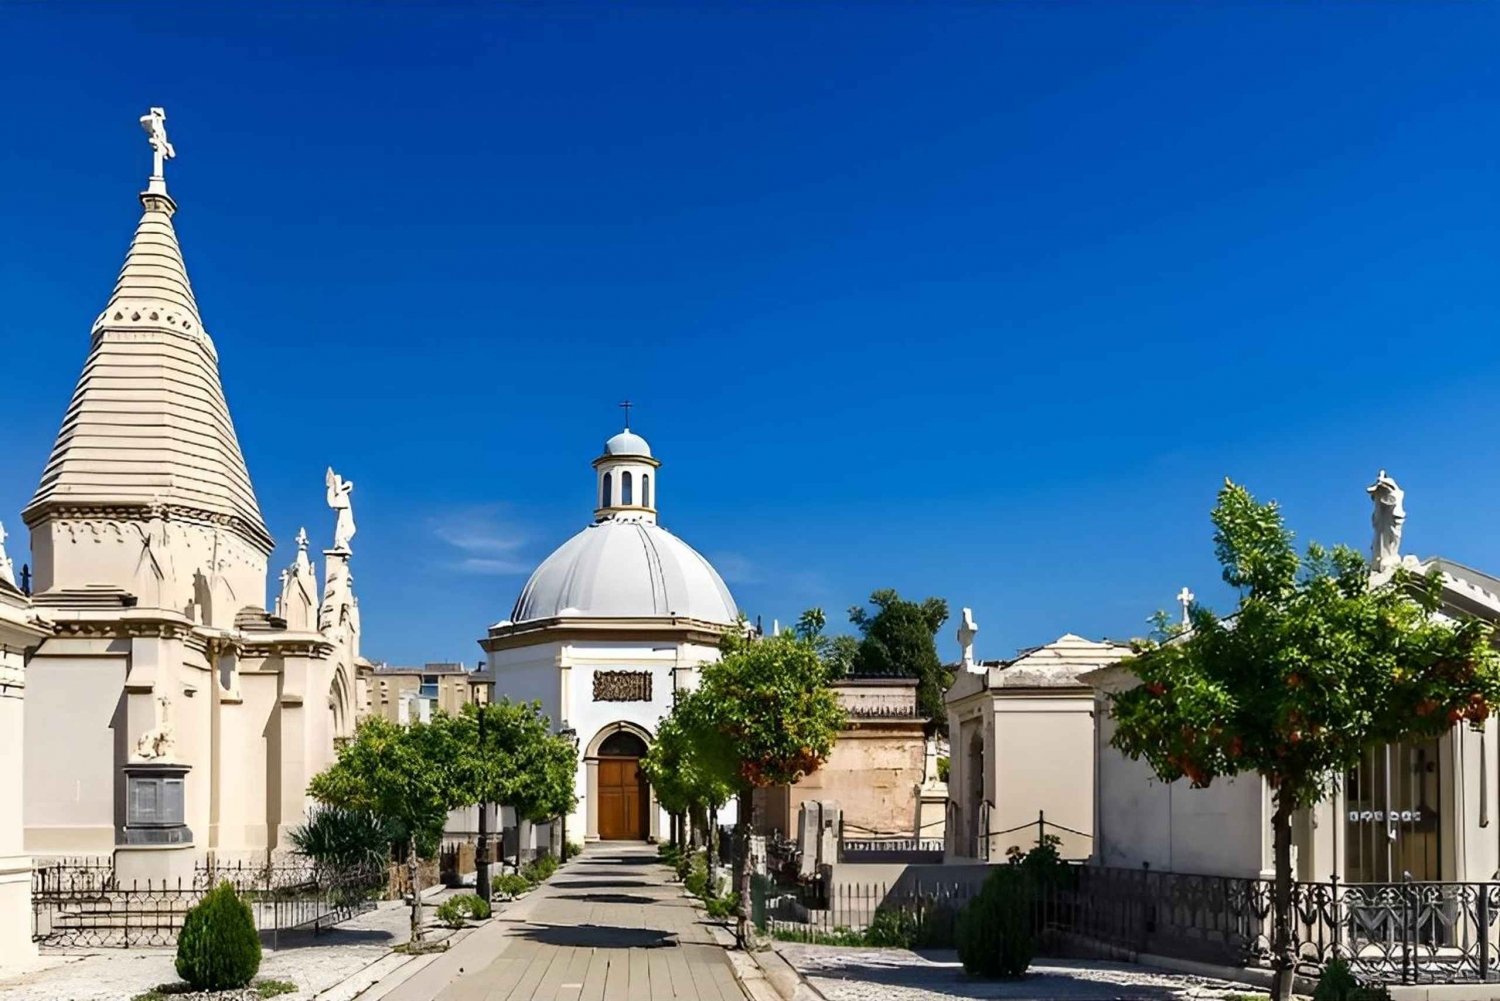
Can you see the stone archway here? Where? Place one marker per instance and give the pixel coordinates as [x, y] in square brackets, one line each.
[620, 803]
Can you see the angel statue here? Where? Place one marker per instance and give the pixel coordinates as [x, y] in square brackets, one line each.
[1387, 519]
[339, 490]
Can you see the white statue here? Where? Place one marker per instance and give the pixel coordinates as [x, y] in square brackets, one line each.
[7, 568]
[158, 742]
[1387, 519]
[339, 490]
[967, 630]
[155, 124]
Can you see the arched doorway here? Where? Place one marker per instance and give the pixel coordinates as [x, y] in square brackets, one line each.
[623, 799]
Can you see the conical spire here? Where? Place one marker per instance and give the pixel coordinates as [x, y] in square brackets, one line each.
[148, 424]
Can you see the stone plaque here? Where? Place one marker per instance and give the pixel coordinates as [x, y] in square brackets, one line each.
[622, 686]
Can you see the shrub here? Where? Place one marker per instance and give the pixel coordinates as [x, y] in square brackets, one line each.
[1338, 983]
[726, 906]
[893, 927]
[574, 849]
[696, 879]
[684, 864]
[510, 884]
[994, 933]
[343, 840]
[669, 853]
[218, 948]
[457, 910]
[539, 869]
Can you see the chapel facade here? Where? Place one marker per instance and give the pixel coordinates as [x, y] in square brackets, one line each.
[605, 633]
[168, 712]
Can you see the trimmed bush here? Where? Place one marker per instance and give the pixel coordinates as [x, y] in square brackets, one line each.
[510, 884]
[218, 948]
[574, 849]
[994, 934]
[457, 910]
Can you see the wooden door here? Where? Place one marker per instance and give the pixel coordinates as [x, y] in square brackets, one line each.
[621, 802]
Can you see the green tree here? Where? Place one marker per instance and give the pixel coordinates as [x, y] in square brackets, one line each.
[899, 639]
[769, 718]
[520, 762]
[409, 776]
[1320, 663]
[686, 784]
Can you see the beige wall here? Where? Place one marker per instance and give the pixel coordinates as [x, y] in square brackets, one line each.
[1043, 764]
[873, 773]
[75, 735]
[386, 690]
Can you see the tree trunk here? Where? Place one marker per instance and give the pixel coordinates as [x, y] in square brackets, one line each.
[1283, 959]
[413, 874]
[742, 866]
[482, 855]
[711, 835]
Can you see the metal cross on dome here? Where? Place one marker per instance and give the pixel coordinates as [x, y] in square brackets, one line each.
[626, 405]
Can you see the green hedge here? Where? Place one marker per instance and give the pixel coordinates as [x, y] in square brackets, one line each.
[218, 948]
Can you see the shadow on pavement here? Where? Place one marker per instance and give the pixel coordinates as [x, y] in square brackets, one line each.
[609, 898]
[597, 884]
[599, 936]
[332, 936]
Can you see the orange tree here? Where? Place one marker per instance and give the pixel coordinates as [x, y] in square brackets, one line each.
[1320, 663]
[765, 717]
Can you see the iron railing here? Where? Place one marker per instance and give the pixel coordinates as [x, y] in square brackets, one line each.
[78, 904]
[1393, 933]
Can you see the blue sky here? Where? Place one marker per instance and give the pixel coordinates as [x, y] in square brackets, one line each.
[980, 301]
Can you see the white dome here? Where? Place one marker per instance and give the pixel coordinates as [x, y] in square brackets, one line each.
[627, 443]
[625, 568]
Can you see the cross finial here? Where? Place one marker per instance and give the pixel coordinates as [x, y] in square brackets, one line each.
[1185, 598]
[155, 124]
[302, 538]
[625, 405]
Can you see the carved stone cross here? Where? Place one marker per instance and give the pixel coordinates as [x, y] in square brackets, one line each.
[1185, 598]
[967, 630]
[155, 124]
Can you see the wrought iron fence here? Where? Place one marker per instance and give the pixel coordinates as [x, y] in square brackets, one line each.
[863, 844]
[1393, 933]
[88, 906]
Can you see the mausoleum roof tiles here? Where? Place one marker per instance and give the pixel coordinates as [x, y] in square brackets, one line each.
[149, 423]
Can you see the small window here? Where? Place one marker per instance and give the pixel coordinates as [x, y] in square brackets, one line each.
[429, 689]
[609, 491]
[645, 490]
[627, 494]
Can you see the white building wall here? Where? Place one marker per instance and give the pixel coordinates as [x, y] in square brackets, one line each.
[15, 867]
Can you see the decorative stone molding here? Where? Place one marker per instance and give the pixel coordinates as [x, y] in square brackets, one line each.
[102, 519]
[622, 686]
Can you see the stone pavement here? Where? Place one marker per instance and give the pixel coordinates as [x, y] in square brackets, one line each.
[313, 963]
[608, 927]
[844, 974]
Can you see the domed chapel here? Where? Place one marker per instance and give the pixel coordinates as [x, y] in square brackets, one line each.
[605, 632]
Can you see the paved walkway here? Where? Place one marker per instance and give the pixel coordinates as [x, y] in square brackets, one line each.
[607, 927]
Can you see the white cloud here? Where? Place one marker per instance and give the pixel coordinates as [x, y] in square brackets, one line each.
[736, 568]
[486, 541]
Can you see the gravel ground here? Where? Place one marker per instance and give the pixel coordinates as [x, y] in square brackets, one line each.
[846, 974]
[312, 963]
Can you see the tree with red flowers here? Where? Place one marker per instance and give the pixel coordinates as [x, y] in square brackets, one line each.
[768, 717]
[1321, 662]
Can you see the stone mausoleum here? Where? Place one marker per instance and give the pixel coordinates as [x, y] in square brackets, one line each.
[168, 713]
